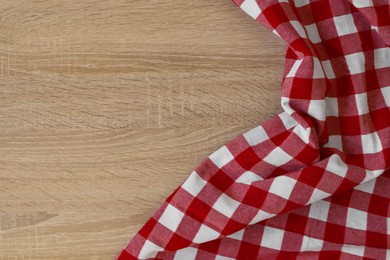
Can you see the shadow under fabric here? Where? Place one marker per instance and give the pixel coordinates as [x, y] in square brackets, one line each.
[311, 182]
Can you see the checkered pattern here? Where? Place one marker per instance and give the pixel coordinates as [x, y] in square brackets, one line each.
[314, 180]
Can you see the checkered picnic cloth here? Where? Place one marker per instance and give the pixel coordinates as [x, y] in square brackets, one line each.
[311, 182]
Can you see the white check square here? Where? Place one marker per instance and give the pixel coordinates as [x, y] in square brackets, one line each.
[337, 166]
[362, 103]
[371, 143]
[282, 186]
[287, 120]
[311, 244]
[332, 106]
[356, 219]
[298, 28]
[372, 174]
[388, 226]
[277, 157]
[302, 133]
[255, 136]
[319, 210]
[317, 109]
[238, 235]
[186, 253]
[382, 58]
[355, 62]
[272, 238]
[318, 71]
[251, 8]
[329, 72]
[344, 24]
[353, 250]
[386, 95]
[261, 215]
[318, 195]
[300, 3]
[194, 184]
[226, 205]
[312, 31]
[362, 3]
[367, 187]
[149, 250]
[334, 141]
[248, 177]
[171, 217]
[221, 157]
[205, 234]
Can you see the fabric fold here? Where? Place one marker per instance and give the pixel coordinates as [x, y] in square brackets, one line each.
[311, 181]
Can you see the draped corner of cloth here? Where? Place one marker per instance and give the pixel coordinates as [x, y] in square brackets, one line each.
[311, 182]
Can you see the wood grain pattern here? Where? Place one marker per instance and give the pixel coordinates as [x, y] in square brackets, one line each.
[106, 106]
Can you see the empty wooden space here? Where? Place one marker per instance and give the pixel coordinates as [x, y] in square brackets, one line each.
[106, 106]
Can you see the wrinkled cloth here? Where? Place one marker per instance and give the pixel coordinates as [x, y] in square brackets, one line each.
[311, 182]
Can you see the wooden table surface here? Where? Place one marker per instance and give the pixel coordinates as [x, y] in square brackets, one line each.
[106, 106]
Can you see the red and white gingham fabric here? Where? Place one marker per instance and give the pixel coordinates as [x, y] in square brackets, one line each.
[312, 182]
